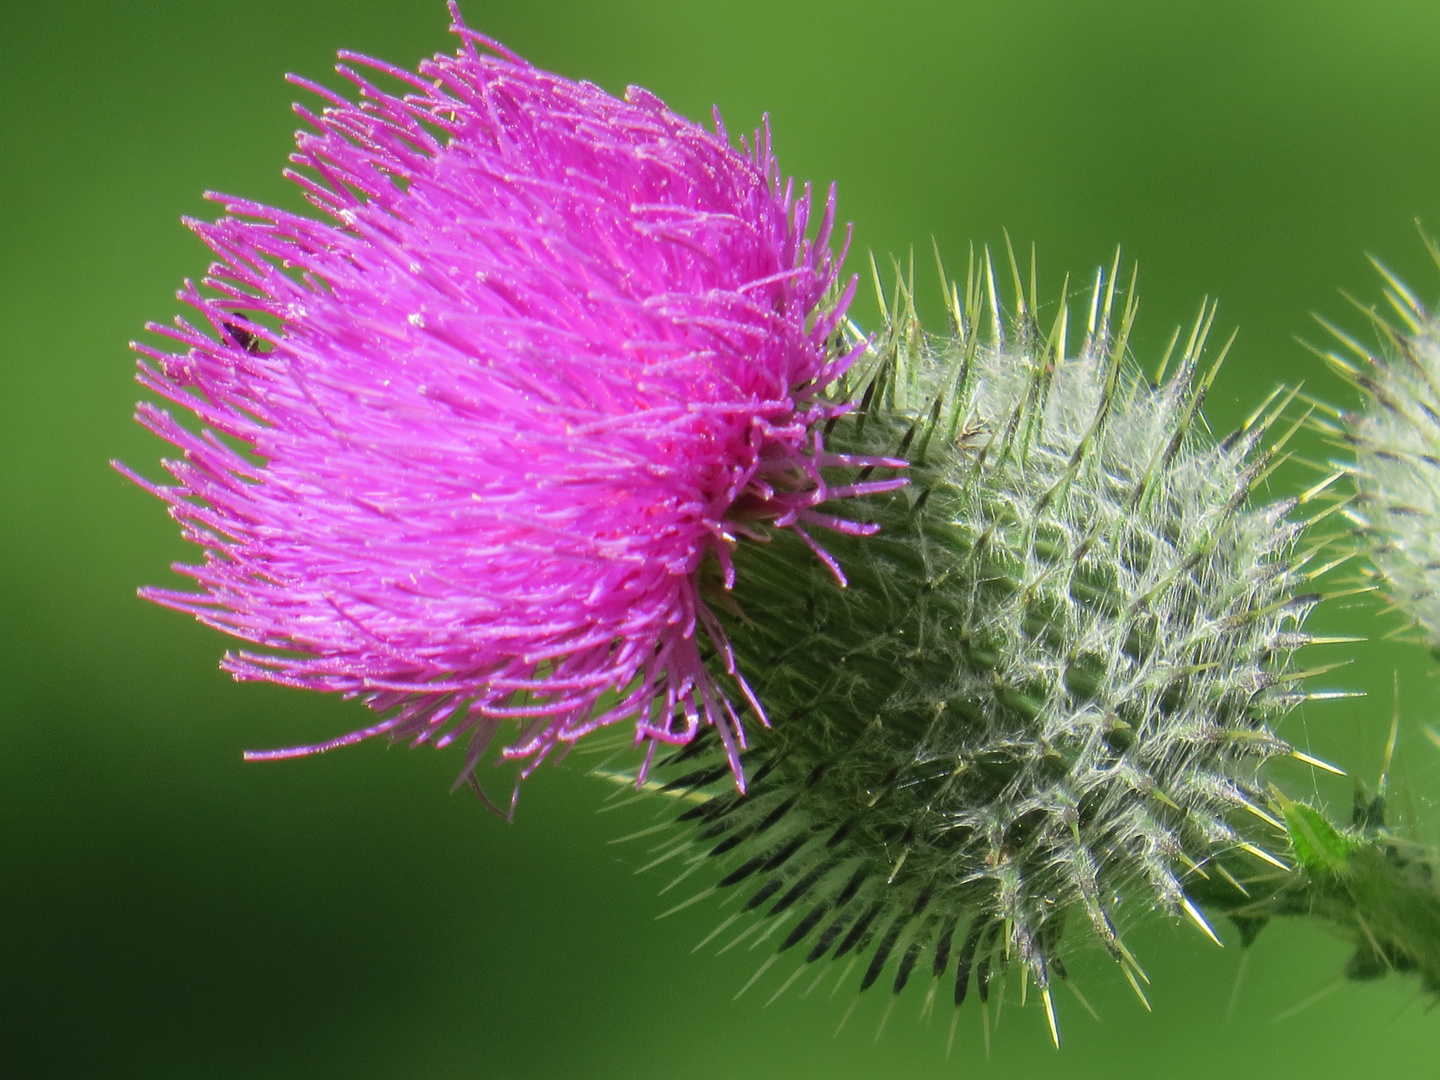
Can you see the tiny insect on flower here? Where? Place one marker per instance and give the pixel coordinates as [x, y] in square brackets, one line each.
[475, 435]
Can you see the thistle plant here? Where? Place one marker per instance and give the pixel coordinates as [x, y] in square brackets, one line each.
[532, 423]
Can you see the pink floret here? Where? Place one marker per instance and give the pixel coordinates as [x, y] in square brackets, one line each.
[468, 437]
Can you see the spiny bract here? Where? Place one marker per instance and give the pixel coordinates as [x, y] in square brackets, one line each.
[1045, 696]
[1395, 440]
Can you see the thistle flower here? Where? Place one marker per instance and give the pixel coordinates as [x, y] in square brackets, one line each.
[1043, 704]
[1395, 440]
[472, 433]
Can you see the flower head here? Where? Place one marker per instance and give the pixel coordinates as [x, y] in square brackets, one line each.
[470, 433]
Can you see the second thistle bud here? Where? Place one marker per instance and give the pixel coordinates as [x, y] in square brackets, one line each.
[1395, 439]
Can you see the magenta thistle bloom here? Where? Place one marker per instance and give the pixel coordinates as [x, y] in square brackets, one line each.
[471, 434]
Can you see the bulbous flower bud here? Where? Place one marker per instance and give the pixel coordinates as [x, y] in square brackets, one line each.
[1043, 703]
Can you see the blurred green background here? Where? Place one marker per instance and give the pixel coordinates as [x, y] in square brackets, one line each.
[167, 911]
